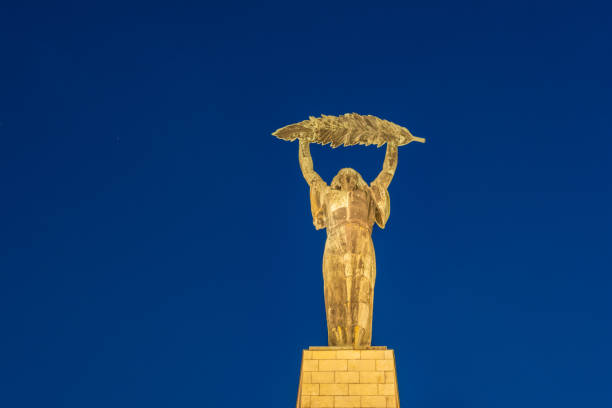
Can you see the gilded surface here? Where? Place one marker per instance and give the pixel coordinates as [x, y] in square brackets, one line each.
[342, 377]
[348, 129]
[348, 208]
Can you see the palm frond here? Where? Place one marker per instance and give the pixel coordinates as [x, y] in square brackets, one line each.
[348, 129]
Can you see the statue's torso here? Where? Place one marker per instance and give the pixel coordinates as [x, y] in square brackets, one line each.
[350, 217]
[349, 207]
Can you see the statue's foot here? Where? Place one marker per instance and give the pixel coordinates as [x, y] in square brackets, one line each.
[337, 337]
[356, 336]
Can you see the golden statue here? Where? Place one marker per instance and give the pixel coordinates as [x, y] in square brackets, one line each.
[348, 209]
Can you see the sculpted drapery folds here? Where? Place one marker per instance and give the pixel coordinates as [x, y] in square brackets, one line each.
[348, 209]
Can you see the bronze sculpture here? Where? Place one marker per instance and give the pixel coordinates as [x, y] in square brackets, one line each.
[348, 209]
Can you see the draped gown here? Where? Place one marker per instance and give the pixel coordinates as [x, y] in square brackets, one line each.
[349, 263]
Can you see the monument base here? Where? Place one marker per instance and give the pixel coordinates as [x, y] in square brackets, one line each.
[344, 377]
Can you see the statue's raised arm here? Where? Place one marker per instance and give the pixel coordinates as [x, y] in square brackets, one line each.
[306, 164]
[390, 164]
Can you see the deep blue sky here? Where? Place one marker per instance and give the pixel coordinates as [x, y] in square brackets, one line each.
[156, 244]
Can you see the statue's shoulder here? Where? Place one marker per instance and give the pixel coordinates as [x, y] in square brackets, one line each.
[319, 186]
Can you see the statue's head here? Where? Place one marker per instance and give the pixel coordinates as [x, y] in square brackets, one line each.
[348, 180]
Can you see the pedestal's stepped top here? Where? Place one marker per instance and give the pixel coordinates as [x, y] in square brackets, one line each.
[347, 348]
[344, 377]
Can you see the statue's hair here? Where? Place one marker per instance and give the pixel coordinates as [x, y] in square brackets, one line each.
[361, 184]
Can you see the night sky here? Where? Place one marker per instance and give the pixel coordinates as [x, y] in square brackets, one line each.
[156, 242]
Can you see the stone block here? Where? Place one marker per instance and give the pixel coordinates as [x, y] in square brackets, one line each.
[325, 355]
[349, 354]
[347, 377]
[386, 389]
[373, 354]
[372, 377]
[310, 389]
[325, 401]
[333, 389]
[310, 365]
[384, 365]
[363, 389]
[322, 377]
[362, 365]
[332, 365]
[353, 401]
[373, 402]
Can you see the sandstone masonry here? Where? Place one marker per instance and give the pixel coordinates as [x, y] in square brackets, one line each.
[345, 377]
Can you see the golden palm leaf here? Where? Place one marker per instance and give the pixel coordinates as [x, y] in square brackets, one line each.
[348, 129]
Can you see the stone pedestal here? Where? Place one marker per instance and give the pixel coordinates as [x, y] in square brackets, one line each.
[343, 377]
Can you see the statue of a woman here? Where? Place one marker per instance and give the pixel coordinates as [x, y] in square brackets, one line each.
[348, 209]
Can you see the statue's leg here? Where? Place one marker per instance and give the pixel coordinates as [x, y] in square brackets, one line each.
[349, 265]
[334, 285]
[372, 278]
[361, 310]
[362, 296]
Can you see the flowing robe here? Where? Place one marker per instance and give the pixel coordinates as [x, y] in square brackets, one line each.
[349, 263]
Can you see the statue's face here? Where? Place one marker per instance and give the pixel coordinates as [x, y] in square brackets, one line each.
[347, 180]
